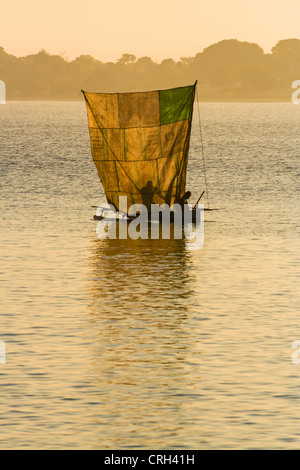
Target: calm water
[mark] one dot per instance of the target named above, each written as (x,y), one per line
(145,344)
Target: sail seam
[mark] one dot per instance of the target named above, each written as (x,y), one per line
(138,127)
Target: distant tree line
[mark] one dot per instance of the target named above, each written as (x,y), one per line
(229,70)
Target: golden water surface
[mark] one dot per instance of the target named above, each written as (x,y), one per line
(120,344)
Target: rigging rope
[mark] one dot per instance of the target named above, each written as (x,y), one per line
(202,149)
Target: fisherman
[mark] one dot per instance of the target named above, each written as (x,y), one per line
(147,193)
(184,199)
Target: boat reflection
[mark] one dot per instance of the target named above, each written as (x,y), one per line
(135,276)
(144,347)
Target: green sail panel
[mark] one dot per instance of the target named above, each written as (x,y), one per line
(176,104)
(140,143)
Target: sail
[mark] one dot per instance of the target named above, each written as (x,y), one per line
(140,143)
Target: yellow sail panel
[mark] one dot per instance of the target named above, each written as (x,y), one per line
(103,110)
(139,109)
(140,143)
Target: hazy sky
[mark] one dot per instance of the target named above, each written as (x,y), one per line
(159,29)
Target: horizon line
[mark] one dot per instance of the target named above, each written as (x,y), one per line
(63,54)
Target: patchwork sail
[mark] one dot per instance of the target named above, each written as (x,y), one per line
(140,143)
